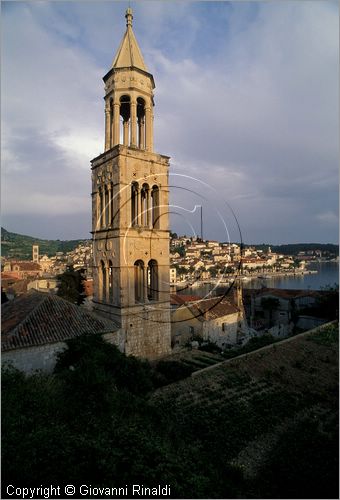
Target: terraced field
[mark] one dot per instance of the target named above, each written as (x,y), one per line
(244,410)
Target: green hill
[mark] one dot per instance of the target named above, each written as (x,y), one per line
(19,246)
(294,248)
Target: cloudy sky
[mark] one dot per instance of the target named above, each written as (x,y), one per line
(246,105)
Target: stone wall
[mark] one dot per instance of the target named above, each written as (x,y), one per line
(147,331)
(222,331)
(30,359)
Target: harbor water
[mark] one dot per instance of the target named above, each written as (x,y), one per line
(327,275)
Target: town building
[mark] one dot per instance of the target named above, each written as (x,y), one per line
(21,269)
(130,225)
(35,326)
(216,320)
(35,253)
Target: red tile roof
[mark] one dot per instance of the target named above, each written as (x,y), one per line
(37,318)
(176,299)
(210,309)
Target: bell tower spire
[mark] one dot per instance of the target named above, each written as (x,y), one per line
(130,210)
(129,17)
(129,96)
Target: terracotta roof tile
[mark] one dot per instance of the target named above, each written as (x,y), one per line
(178,299)
(209,309)
(38,318)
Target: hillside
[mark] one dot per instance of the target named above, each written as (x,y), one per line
(19,246)
(294,248)
(272,414)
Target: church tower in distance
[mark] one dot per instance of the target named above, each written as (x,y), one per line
(130,213)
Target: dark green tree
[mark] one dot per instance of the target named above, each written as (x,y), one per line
(71,285)
(4,297)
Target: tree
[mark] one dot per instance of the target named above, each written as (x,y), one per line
(4,297)
(213,271)
(181,270)
(71,285)
(180,249)
(327,305)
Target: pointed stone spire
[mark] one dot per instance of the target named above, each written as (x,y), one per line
(129,53)
(129,17)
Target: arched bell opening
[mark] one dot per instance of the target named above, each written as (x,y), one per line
(110,281)
(125,113)
(152,280)
(134,203)
(102,281)
(139,280)
(141,122)
(110,123)
(145,205)
(155,207)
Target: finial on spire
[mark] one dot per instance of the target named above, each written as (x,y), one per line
(129,17)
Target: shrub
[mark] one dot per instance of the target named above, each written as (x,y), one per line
(90,362)
(172,371)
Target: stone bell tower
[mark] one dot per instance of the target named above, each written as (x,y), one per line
(130,222)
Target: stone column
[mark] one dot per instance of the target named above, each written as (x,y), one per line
(141,133)
(97,226)
(107,128)
(133,119)
(126,132)
(107,283)
(151,132)
(145,279)
(148,129)
(116,124)
(110,204)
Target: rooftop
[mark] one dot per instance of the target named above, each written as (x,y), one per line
(38,318)
(210,309)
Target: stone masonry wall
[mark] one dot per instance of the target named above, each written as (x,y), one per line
(34,358)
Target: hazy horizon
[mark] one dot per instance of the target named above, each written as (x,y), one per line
(270,243)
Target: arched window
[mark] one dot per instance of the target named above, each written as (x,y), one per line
(152,277)
(155,207)
(111,283)
(125,113)
(139,281)
(106,207)
(141,122)
(145,205)
(102,281)
(101,207)
(134,204)
(111,205)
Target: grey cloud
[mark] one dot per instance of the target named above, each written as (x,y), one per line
(258,115)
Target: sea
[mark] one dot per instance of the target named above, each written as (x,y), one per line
(327,275)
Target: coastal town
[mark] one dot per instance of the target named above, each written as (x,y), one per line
(193,261)
(219,292)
